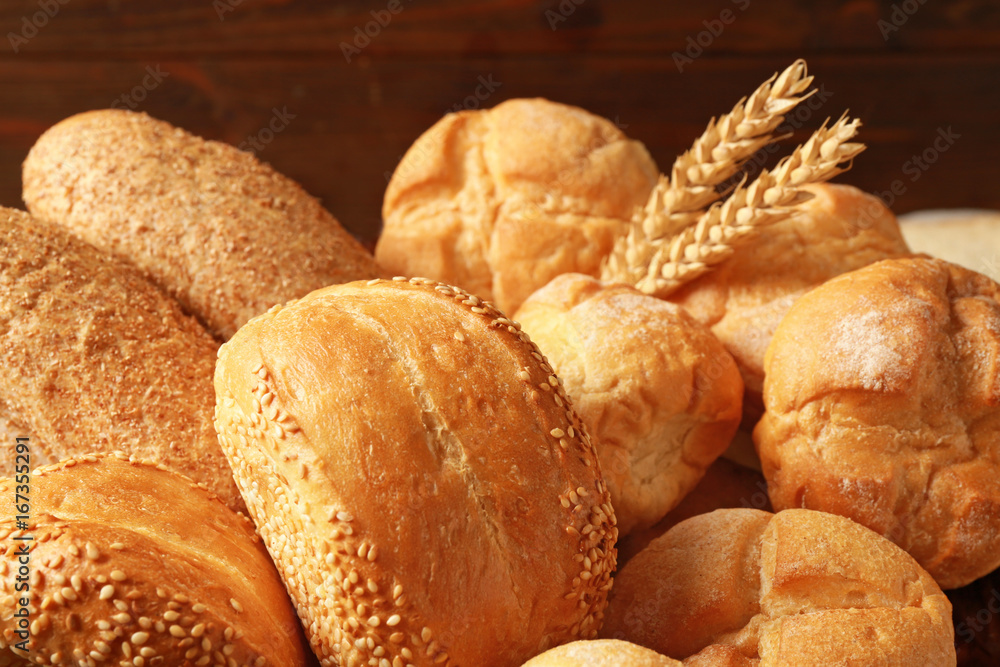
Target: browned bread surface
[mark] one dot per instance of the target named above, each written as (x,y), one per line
(501,201)
(131,561)
(883,405)
(795,588)
(601,653)
(96,358)
(658,392)
(418,475)
(219,230)
(840,229)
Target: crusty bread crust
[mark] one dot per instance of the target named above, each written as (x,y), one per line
(222,232)
(96,358)
(840,229)
(658,392)
(500,201)
(601,653)
(883,405)
(790,589)
(419,476)
(129,560)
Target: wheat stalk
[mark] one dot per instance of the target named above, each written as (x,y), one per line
(773,196)
(696,175)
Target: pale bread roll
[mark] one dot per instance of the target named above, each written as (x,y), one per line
(418,475)
(502,200)
(601,653)
(969,238)
(658,392)
(883,405)
(743,299)
(133,564)
(792,589)
(222,232)
(97,358)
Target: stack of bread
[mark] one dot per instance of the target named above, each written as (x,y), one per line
(513,452)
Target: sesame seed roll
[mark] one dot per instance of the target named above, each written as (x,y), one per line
(419,476)
(132,564)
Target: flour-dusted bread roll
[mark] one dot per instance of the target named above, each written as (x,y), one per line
(601,653)
(883,405)
(658,392)
(500,201)
(743,299)
(419,476)
(222,232)
(132,564)
(97,358)
(794,589)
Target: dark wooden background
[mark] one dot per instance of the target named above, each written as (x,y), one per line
(907,68)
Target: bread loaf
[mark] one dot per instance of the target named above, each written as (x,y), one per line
(219,230)
(500,201)
(419,476)
(789,589)
(601,653)
(131,564)
(883,405)
(97,358)
(840,229)
(658,392)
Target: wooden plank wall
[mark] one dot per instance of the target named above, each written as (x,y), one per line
(912,70)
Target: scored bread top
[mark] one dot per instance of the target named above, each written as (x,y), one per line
(500,201)
(798,587)
(130,560)
(224,233)
(418,475)
(97,358)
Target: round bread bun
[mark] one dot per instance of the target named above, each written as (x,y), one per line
(725,485)
(131,564)
(419,476)
(967,237)
(601,653)
(794,588)
(883,405)
(97,358)
(743,299)
(658,392)
(219,230)
(500,201)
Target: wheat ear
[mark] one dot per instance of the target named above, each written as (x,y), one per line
(773,196)
(696,175)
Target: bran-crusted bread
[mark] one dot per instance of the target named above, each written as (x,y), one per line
(222,232)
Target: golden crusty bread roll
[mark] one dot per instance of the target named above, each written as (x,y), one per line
(601,653)
(883,405)
(743,299)
(500,201)
(96,358)
(133,564)
(419,476)
(794,588)
(658,392)
(219,230)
